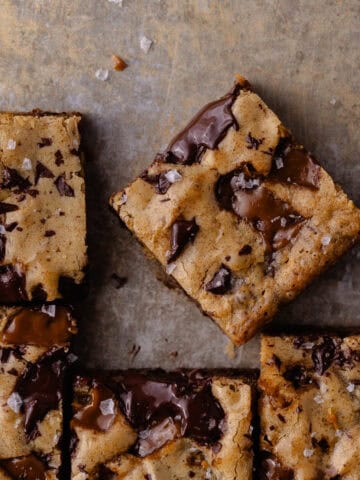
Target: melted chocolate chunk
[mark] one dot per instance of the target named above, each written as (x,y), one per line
(221,281)
(12,179)
(44,327)
(271,468)
(206,130)
(12,285)
(323,355)
(298,376)
(40,388)
(2,247)
(59,159)
(293,164)
(42,172)
(38,293)
(24,468)
(160,182)
(45,142)
(165,406)
(7,207)
(92,416)
(64,188)
(182,232)
(242,192)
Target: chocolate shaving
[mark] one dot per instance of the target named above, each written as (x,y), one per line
(64,188)
(42,172)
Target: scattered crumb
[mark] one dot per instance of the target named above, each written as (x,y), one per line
(230,350)
(102,74)
(145,43)
(333,101)
(118,63)
(134,351)
(119,281)
(174,354)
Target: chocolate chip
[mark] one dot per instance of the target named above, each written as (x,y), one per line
(12,285)
(253,143)
(38,293)
(45,142)
(221,281)
(33,192)
(42,172)
(120,281)
(182,232)
(205,130)
(10,226)
(7,207)
(298,376)
(12,179)
(49,233)
(64,188)
(323,355)
(245,250)
(59,159)
(159,181)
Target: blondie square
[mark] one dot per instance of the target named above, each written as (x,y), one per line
(239,213)
(162,426)
(42,199)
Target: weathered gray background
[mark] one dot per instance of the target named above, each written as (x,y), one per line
(302,56)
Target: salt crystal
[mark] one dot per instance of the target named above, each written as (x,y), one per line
(173,176)
(170,268)
(107,407)
(308,452)
(333,101)
(145,44)
(283,221)
(49,310)
(313,435)
(350,388)
(318,399)
(123,199)
(11,145)
(102,74)
(326,239)
(27,164)
(279,163)
(338,433)
(15,402)
(251,429)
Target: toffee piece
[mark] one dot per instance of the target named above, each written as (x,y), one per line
(309,407)
(147,424)
(42,196)
(34,344)
(239,213)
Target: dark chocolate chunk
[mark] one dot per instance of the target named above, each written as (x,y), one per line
(33,192)
(120,281)
(12,285)
(245,250)
(42,172)
(182,232)
(91,416)
(38,293)
(12,179)
(40,388)
(104,473)
(49,233)
(242,192)
(293,164)
(7,207)
(173,404)
(206,130)
(10,227)
(159,181)
(2,247)
(64,188)
(221,281)
(45,142)
(253,143)
(42,326)
(298,376)
(24,468)
(59,159)
(271,468)
(323,355)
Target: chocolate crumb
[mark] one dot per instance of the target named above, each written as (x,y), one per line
(118,63)
(42,172)
(49,233)
(45,142)
(64,188)
(120,281)
(59,159)
(245,250)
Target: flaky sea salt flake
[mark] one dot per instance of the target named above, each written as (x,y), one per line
(102,74)
(308,452)
(326,239)
(11,145)
(26,164)
(15,402)
(107,407)
(145,43)
(350,388)
(173,176)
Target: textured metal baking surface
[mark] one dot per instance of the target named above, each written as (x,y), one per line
(303,58)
